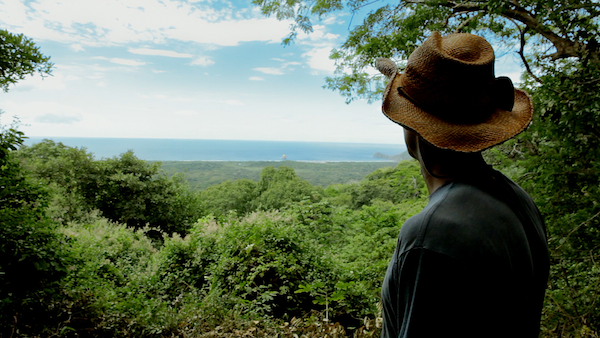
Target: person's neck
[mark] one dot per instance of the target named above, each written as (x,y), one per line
(443,174)
(432,182)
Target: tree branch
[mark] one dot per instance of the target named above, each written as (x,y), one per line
(521,53)
(579,226)
(564,47)
(466,22)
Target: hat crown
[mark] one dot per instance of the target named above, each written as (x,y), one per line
(452,77)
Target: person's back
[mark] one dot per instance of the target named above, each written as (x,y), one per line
(451,287)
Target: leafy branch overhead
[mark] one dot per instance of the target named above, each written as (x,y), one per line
(544,31)
(19,56)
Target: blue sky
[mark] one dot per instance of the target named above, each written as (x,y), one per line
(186,69)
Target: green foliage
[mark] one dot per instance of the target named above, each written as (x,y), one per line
(126,287)
(263,260)
(123,189)
(564,173)
(204,174)
(394,30)
(395,185)
(19,56)
(69,172)
(32,254)
(244,265)
(276,189)
(370,236)
(133,192)
(324,296)
(236,196)
(279,187)
(122,286)
(385,32)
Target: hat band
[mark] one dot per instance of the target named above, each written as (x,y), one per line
(449,113)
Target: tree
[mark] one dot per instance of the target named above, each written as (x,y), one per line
(136,193)
(229,196)
(279,187)
(32,254)
(19,56)
(569,27)
(390,184)
(556,160)
(123,189)
(69,172)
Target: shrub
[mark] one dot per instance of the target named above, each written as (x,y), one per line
(402,183)
(280,187)
(32,255)
(263,259)
(229,196)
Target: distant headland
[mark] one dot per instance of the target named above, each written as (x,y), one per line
(397,158)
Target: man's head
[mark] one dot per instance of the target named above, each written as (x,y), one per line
(449,96)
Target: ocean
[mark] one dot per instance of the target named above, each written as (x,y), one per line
(228,150)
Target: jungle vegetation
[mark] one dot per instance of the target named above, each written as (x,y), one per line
(117,247)
(203,174)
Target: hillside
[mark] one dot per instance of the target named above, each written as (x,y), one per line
(203,174)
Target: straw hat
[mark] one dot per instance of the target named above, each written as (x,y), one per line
(449,95)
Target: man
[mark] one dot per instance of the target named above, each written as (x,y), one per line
(474,262)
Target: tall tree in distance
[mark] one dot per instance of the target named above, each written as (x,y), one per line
(19,56)
(557,160)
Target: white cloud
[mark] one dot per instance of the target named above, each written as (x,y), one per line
(159,52)
(330,20)
(117,22)
(318,59)
(319,35)
(126,62)
(101,84)
(120,61)
(202,61)
(72,78)
(77,47)
(95,76)
(58,81)
(515,77)
(57,118)
(186,112)
(44,111)
(256,78)
(270,71)
(234,102)
(157,71)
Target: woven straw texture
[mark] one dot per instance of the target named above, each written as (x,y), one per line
(447,95)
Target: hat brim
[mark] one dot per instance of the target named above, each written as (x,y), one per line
(499,127)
